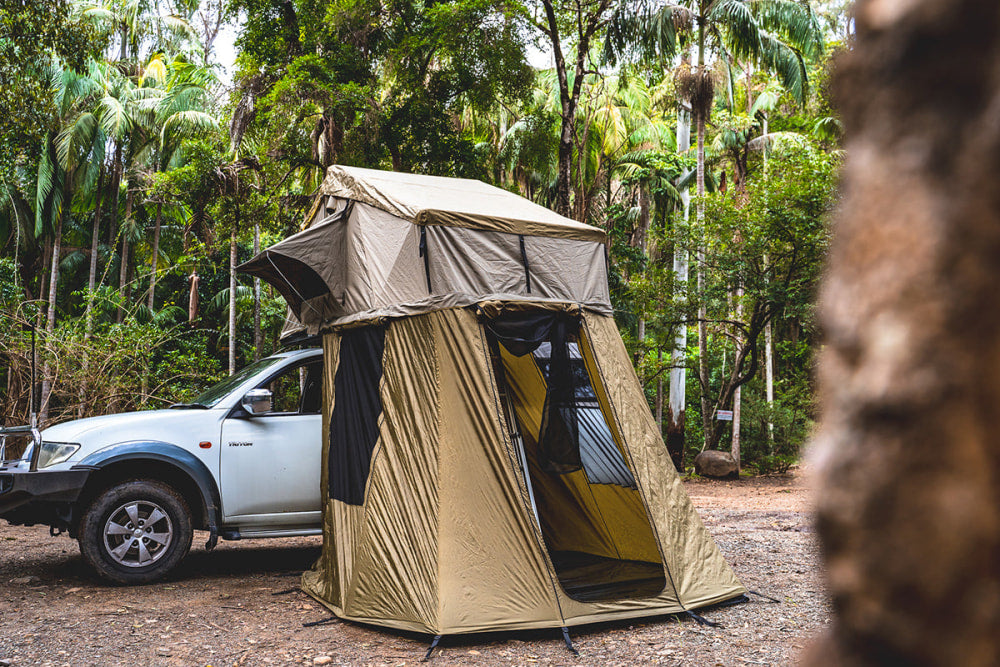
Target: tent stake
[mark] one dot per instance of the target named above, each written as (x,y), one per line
(766,597)
(702,620)
(434,644)
(322,621)
(569,642)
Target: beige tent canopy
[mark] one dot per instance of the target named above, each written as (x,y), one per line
(490,461)
(381,245)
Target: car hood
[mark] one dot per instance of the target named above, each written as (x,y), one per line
(127,426)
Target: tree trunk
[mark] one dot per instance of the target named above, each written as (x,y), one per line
(642,238)
(113,192)
(123,273)
(50,319)
(589,18)
(678,355)
(50,323)
(738,392)
(565,174)
(769,384)
(768,338)
(232,301)
(567,116)
(908,495)
(40,316)
(95,237)
(659,390)
(88,329)
(258,342)
(706,406)
(156,256)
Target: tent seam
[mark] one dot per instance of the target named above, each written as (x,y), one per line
(439,611)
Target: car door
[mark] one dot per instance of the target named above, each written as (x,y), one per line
(270,462)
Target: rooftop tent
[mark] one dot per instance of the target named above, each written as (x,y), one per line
(381,244)
(489,458)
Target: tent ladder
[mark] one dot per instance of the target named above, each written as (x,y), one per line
(569,642)
(434,645)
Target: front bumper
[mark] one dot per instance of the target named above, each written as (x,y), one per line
(32,497)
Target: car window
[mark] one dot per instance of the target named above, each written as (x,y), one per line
(297,390)
(219,391)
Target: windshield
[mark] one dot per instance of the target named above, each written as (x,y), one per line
(217,392)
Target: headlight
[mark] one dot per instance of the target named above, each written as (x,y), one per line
(52,453)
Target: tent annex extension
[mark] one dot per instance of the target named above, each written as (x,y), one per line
(490,462)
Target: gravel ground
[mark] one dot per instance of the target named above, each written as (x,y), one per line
(221,608)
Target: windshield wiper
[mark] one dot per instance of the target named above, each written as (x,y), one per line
(197,406)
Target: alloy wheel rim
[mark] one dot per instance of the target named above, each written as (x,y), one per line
(138,533)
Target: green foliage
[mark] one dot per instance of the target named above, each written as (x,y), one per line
(791,416)
(140,362)
(31,32)
(762,256)
(357,82)
(111,142)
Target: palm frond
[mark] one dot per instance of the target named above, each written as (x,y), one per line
(795,21)
(169,315)
(115,120)
(647,32)
(767,99)
(778,141)
(181,27)
(740,28)
(221,299)
(45,185)
(788,64)
(828,128)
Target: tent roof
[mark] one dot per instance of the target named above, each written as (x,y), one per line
(453,202)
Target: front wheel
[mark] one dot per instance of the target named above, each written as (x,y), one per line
(136,532)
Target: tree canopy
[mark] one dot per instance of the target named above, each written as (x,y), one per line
(137,175)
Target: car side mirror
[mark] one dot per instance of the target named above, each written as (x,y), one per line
(258,401)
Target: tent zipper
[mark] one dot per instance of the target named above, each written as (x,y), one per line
(426,256)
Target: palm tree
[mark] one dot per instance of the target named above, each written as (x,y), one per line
(775,35)
(69,161)
(180,103)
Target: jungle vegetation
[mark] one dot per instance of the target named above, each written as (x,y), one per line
(137,168)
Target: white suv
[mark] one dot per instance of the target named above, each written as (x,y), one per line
(241,460)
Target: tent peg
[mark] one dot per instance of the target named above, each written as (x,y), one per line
(766,597)
(569,642)
(701,619)
(434,644)
(322,621)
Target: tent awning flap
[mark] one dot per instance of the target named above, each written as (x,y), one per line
(306,266)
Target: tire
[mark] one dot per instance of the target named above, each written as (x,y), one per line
(135,532)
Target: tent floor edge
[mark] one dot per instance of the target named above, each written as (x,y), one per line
(434,645)
(569,642)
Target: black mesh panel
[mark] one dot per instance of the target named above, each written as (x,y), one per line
(357,406)
(523,333)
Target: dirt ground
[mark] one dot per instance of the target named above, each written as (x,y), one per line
(230,606)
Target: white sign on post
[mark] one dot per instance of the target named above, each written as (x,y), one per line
(724,415)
